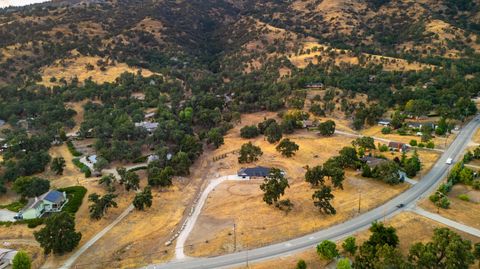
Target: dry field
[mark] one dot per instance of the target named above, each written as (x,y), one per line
(405,223)
(461,211)
(76,67)
(257,223)
(326,53)
(376,131)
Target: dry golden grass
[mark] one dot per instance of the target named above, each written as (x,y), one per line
(405,223)
(476,137)
(257,223)
(461,211)
(152,26)
(76,67)
(326,53)
(376,131)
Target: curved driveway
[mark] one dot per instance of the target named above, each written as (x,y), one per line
(427,184)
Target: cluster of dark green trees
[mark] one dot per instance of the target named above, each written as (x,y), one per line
(445,250)
(458,174)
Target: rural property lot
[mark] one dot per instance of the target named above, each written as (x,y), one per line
(405,223)
(256,223)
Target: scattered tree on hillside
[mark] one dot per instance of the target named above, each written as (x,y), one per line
(476,252)
(58,165)
(347,158)
(215,137)
(249,153)
(107,180)
(143,199)
(334,171)
(412,165)
(287,147)
(158,176)
(446,250)
(327,128)
(262,126)
(315,176)
(249,131)
(350,246)
(58,235)
(274,186)
(322,200)
(129,179)
(379,247)
(301,264)
(327,250)
(344,263)
(364,142)
(388,172)
(100,204)
(273,133)
(31,186)
(21,261)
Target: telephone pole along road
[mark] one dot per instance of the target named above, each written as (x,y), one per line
(424,186)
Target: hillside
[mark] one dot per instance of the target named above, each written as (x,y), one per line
(218,33)
(139,107)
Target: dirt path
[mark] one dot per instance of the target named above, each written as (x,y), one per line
(192,219)
(71,260)
(448,222)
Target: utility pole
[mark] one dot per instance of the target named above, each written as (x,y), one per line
(234,238)
(247,254)
(359,201)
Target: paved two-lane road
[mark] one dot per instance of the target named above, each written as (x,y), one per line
(428,183)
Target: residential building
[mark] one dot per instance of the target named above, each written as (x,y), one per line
(309,124)
(49,202)
(419,125)
(398,146)
(149,126)
(254,172)
(316,85)
(372,161)
(385,123)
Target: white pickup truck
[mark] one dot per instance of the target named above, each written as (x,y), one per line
(449,161)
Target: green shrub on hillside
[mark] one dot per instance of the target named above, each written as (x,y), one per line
(73,150)
(75,196)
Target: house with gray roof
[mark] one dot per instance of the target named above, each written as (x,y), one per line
(255,172)
(49,202)
(149,126)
